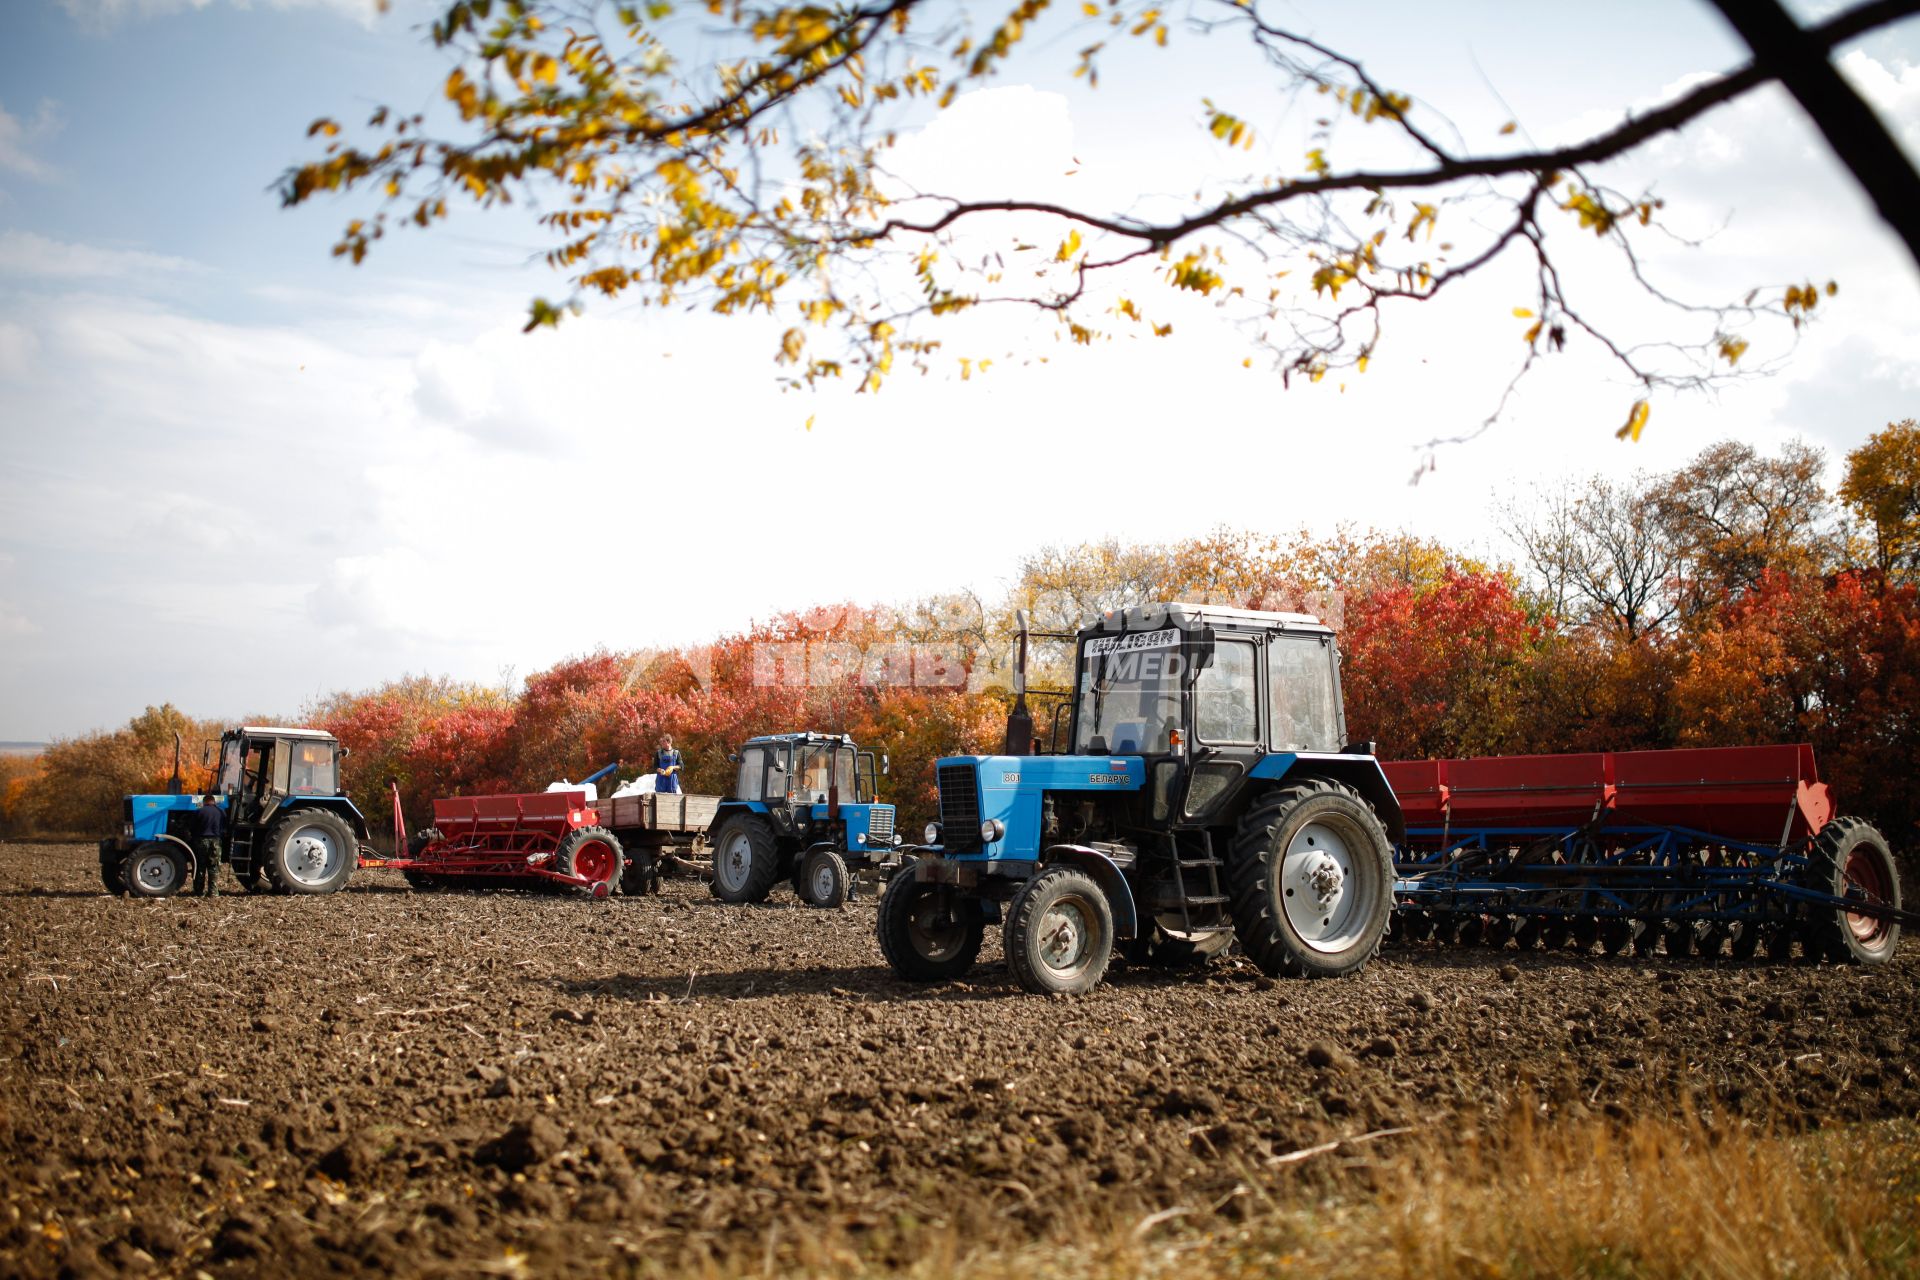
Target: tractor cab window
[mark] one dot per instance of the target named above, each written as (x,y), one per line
(1224,709)
(844,776)
(310,772)
(258,779)
(1129,693)
(753,772)
(231,758)
(1300,685)
(816,773)
(779,779)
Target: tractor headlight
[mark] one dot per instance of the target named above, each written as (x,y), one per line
(859,838)
(126,829)
(992,829)
(932,833)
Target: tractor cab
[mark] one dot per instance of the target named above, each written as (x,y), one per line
(1196,738)
(795,796)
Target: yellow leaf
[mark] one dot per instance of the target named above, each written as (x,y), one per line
(1523,313)
(809,422)
(1091,10)
(1508,128)
(1636,422)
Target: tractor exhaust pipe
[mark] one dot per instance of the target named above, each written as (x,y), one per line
(1019,719)
(176,785)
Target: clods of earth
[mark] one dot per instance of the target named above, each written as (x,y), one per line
(388,1082)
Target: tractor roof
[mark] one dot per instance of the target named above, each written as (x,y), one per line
(803,737)
(281,731)
(1180,614)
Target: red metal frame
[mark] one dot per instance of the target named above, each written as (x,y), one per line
(508,836)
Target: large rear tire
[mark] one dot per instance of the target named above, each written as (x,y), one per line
(310,851)
(1311,876)
(746,860)
(1850,859)
(594,853)
(1059,933)
(156,870)
(928,932)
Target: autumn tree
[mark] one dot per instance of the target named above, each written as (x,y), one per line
(1733,514)
(80,781)
(734,156)
(1834,661)
(1600,553)
(1882,486)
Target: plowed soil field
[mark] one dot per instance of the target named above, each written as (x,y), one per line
(387,1082)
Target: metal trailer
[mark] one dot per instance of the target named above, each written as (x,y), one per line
(655,829)
(1209,794)
(288,827)
(1733,850)
(804,810)
(512,841)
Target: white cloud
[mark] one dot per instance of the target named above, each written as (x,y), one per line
(26,253)
(19,139)
(103,15)
(1894,91)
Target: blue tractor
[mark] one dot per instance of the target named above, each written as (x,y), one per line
(804,810)
(288,826)
(1208,793)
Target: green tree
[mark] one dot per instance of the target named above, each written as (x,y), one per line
(1882,486)
(733,155)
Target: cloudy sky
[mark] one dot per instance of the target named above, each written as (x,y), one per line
(238,474)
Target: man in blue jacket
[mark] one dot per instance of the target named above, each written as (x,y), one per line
(206,868)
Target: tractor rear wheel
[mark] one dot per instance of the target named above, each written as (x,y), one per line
(928,932)
(113,869)
(746,860)
(156,870)
(1850,859)
(827,879)
(594,854)
(310,851)
(642,875)
(1059,933)
(1311,875)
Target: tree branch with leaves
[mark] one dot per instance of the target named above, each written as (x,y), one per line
(735,157)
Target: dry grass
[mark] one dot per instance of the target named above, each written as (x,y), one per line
(1657,1199)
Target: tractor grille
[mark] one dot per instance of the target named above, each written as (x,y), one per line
(880,823)
(959,807)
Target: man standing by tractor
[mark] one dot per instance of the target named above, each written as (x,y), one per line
(206,868)
(666,767)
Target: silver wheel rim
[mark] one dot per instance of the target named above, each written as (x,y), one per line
(735,862)
(153,871)
(1325,889)
(824,881)
(313,856)
(1066,936)
(932,939)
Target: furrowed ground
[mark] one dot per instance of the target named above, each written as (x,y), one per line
(386,1082)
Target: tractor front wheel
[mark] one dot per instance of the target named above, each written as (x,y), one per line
(928,932)
(157,870)
(1311,872)
(310,851)
(1059,933)
(745,860)
(826,878)
(594,854)
(1850,859)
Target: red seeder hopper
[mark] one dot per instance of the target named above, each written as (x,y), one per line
(511,841)
(1703,850)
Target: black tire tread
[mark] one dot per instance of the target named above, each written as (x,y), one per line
(1249,857)
(765,871)
(898,948)
(1019,923)
(1826,932)
(267,849)
(570,845)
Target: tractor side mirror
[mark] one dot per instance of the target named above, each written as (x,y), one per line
(345,751)
(733,757)
(886,765)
